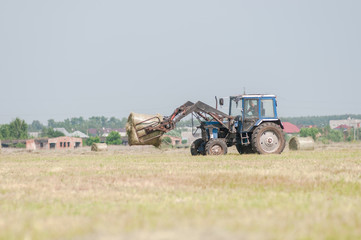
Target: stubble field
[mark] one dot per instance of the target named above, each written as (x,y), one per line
(146,193)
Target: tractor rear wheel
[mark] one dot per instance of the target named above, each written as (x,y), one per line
(268,138)
(197,148)
(216,147)
(244,149)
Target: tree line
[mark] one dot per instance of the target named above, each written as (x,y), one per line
(18,129)
(318,121)
(326,134)
(80,124)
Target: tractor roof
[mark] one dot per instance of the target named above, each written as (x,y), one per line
(254,96)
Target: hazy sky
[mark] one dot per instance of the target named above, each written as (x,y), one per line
(61,59)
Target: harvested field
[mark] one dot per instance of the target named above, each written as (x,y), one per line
(146,193)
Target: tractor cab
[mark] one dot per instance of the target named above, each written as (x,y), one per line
(252,110)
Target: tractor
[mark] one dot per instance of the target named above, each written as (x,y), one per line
(252,125)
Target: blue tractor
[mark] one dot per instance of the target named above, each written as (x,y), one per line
(252,125)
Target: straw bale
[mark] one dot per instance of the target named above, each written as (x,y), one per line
(138,136)
(97,147)
(302,143)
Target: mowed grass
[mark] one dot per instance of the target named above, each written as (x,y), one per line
(132,193)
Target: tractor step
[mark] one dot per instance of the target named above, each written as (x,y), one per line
(245,138)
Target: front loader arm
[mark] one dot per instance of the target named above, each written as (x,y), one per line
(200,109)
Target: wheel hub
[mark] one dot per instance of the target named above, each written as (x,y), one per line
(216,150)
(269,141)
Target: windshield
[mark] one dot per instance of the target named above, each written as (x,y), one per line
(235,107)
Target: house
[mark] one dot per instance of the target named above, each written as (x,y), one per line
(62,130)
(188,135)
(12,143)
(342,127)
(79,134)
(74,134)
(290,128)
(105,131)
(34,134)
(174,140)
(93,132)
(54,143)
(345,124)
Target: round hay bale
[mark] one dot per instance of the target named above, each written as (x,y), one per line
(136,133)
(98,147)
(302,143)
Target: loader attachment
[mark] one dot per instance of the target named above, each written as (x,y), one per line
(136,129)
(145,129)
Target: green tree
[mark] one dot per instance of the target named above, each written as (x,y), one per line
(123,122)
(51,123)
(35,126)
(20,145)
(4,132)
(113,123)
(113,138)
(177,132)
(309,132)
(49,132)
(92,140)
(167,140)
(335,135)
(18,129)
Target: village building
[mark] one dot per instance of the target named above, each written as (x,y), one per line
(54,143)
(104,132)
(174,140)
(290,128)
(188,135)
(34,134)
(74,134)
(345,124)
(12,143)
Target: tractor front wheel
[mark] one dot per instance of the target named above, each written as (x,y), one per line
(216,147)
(268,138)
(197,147)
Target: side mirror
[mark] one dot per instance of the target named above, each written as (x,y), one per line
(221,101)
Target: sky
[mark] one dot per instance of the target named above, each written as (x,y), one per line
(72,58)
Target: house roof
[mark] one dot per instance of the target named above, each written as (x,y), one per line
(109,130)
(342,126)
(290,128)
(94,131)
(74,134)
(79,134)
(62,130)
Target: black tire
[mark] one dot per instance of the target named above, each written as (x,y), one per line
(196,148)
(216,147)
(244,149)
(268,138)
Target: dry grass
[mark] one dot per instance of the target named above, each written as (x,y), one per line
(145,193)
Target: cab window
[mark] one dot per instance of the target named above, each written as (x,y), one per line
(251,106)
(236,107)
(267,108)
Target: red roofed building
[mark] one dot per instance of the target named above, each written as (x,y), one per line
(290,128)
(343,126)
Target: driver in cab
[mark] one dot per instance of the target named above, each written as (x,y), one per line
(253,108)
